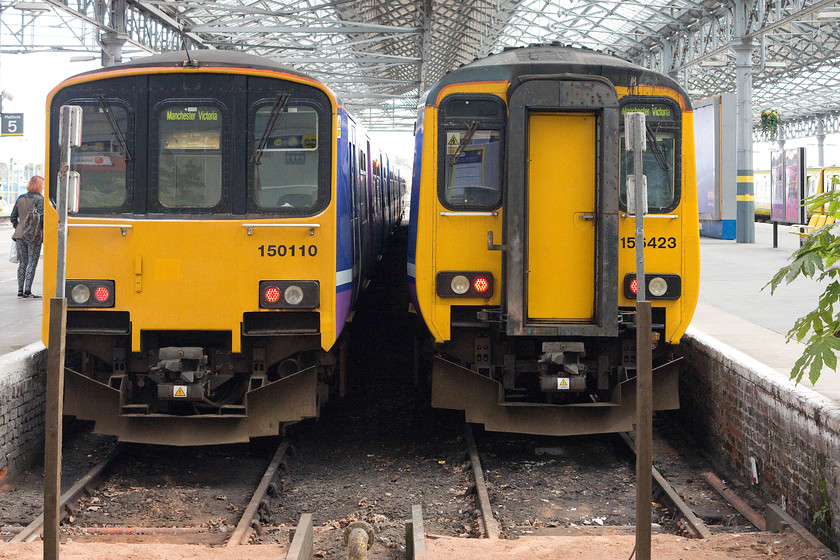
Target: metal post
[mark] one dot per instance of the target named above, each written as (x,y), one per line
(635,126)
(820,143)
(53,435)
(69,136)
(745,190)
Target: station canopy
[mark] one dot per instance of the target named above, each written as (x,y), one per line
(379,56)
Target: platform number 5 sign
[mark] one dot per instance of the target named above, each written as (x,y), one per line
(11,124)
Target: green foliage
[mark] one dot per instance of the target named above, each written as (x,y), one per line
(817,258)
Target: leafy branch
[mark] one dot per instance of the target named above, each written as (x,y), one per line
(817,259)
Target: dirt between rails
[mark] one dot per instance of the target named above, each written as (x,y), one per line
(539,484)
(373,466)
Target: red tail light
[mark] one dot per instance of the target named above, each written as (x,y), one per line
(634,286)
(102,293)
(272,294)
(481,284)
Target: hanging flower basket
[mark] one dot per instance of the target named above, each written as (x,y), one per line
(770,123)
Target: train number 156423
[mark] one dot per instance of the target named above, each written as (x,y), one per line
(288,250)
(652,243)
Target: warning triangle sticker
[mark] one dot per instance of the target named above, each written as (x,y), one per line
(179,392)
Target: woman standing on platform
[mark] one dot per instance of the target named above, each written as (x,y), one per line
(28,220)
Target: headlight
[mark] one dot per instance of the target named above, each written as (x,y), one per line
(293,295)
(657,286)
(460,284)
(80,294)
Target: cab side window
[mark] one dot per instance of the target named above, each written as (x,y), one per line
(103,159)
(471,154)
(285,156)
(661,160)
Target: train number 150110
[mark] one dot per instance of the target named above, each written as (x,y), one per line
(288,250)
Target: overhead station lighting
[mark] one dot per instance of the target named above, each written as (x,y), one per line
(828,14)
(713,63)
(32,6)
(775,64)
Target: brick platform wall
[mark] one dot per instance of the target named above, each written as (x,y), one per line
(22,407)
(739,408)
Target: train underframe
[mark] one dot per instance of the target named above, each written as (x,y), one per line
(189,388)
(549,385)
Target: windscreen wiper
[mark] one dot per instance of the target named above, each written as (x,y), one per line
(273,121)
(657,151)
(115,127)
(465,139)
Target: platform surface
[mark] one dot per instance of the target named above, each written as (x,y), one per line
(733,306)
(20,319)
(737,309)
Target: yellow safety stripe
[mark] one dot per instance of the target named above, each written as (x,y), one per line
(745,198)
(745,178)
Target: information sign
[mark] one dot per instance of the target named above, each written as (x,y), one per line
(11,124)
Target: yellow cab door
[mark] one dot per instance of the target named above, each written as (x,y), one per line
(561,207)
(561,216)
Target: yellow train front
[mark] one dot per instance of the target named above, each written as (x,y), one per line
(521,257)
(217,249)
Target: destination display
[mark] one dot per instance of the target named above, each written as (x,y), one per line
(191,128)
(652,112)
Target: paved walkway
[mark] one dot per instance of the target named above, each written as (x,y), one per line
(20,319)
(735,309)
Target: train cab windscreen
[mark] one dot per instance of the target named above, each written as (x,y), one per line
(661,159)
(102,157)
(190,156)
(285,156)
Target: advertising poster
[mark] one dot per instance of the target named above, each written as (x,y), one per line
(777,186)
(705,148)
(794,168)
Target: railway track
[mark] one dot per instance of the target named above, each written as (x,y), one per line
(89,496)
(582,497)
(33,530)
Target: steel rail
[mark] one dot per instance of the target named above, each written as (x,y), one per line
(489,525)
(693,523)
(31,531)
(241,533)
(735,501)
